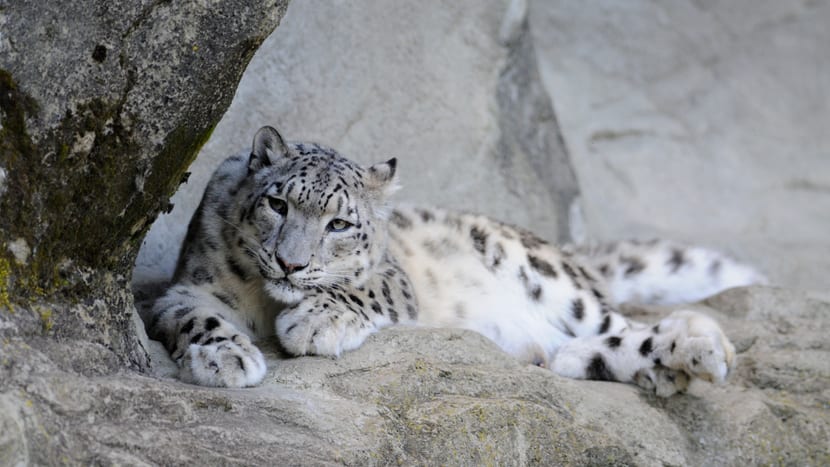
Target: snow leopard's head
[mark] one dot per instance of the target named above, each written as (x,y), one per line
(312,218)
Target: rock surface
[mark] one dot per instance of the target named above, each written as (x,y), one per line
(430,397)
(449,88)
(698,120)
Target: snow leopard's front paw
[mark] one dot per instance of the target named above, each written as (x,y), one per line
(210,351)
(311,330)
(224,362)
(697,345)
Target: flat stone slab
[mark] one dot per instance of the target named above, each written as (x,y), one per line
(427,396)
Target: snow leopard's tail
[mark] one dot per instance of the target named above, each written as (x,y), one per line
(665,273)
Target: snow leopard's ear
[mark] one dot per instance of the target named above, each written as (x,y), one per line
(381,177)
(268,147)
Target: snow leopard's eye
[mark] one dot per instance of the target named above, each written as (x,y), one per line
(278,205)
(339,225)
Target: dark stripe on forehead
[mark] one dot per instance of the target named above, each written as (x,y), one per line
(337,206)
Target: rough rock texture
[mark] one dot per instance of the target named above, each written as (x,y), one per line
(449,88)
(698,120)
(435,397)
(103,105)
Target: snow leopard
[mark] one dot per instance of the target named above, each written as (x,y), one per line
(294,240)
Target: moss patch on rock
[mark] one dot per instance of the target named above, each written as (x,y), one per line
(77,193)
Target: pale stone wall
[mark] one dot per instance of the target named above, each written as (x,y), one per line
(698,120)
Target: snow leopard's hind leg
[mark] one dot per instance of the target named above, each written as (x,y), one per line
(209,349)
(662,358)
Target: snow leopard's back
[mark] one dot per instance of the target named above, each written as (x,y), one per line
(472,272)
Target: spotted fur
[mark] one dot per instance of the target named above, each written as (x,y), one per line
(297,241)
(663,272)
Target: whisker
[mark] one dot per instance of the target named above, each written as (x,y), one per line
(328,279)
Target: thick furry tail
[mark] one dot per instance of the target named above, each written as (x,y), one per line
(665,273)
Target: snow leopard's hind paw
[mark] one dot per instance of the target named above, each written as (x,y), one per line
(661,358)
(696,345)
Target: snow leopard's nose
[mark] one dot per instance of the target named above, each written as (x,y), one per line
(288,268)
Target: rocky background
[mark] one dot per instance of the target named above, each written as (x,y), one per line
(699,120)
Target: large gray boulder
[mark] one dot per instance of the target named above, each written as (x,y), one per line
(103,105)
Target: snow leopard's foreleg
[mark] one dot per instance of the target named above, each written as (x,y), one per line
(332,320)
(209,349)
